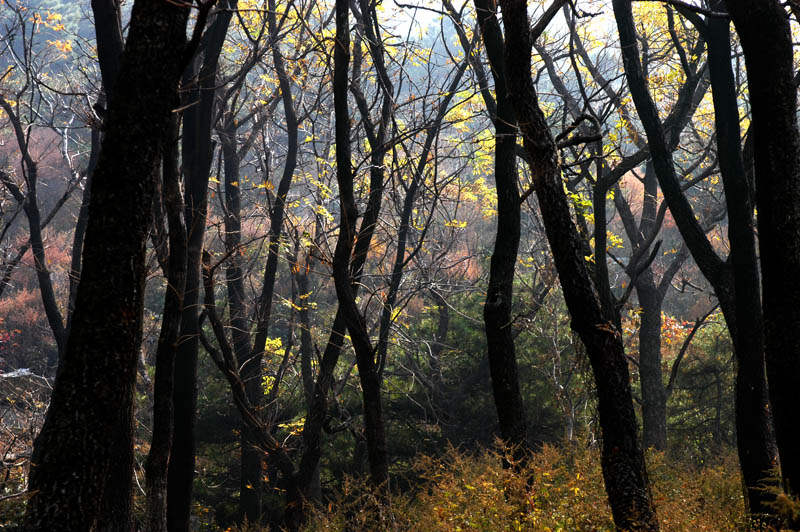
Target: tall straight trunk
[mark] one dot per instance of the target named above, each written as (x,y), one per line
(197,154)
(88,431)
(623,464)
(654,396)
(764,31)
(500,292)
(157,462)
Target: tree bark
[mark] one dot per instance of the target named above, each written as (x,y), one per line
(365,354)
(197,154)
(500,291)
(156,466)
(756,451)
(754,430)
(763,29)
(622,457)
(88,431)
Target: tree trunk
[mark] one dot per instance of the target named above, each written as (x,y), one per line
(654,396)
(754,430)
(500,292)
(763,29)
(88,431)
(755,448)
(622,457)
(197,154)
(367,369)
(156,466)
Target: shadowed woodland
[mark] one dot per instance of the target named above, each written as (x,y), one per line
(374,265)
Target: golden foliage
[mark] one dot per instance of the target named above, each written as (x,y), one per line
(473,492)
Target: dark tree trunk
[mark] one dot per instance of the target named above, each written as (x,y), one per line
(156,466)
(365,354)
(197,154)
(622,457)
(754,430)
(88,432)
(110,43)
(763,29)
(500,292)
(756,450)
(654,396)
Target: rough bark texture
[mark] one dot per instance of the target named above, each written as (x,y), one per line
(622,457)
(763,29)
(88,431)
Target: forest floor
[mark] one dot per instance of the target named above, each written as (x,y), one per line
(473,492)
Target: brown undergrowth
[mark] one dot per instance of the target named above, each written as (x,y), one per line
(473,492)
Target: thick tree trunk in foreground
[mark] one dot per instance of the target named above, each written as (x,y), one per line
(763,29)
(88,432)
(622,457)
(754,431)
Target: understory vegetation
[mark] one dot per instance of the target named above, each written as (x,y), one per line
(560,489)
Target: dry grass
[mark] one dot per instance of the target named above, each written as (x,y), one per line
(474,493)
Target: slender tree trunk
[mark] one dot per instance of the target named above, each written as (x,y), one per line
(157,463)
(622,457)
(197,154)
(367,369)
(88,432)
(500,292)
